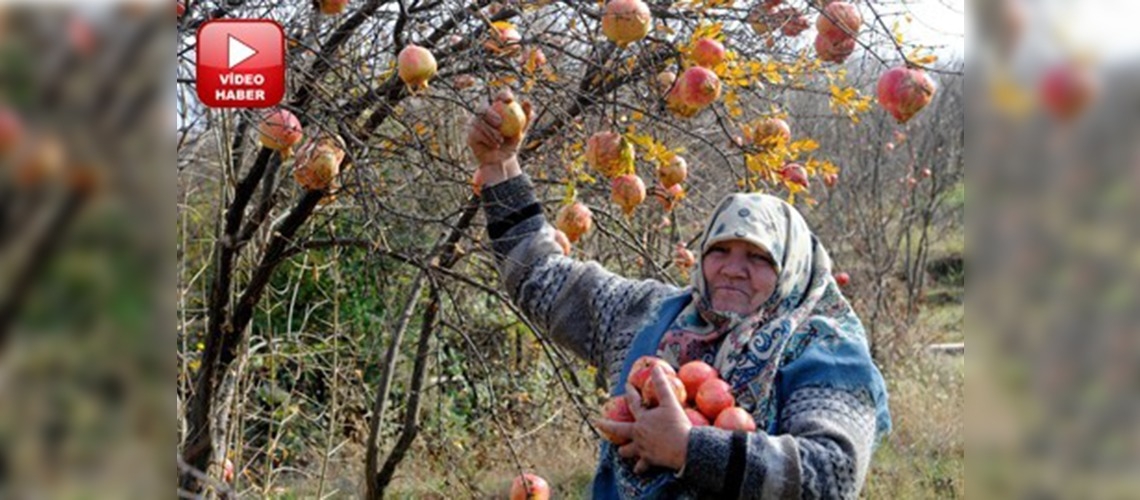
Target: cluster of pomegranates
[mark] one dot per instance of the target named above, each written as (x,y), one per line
(706,398)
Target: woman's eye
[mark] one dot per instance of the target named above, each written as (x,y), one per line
(717,250)
(759,257)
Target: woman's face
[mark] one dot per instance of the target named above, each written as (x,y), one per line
(740,276)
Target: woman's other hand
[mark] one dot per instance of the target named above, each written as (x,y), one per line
(497,155)
(660,435)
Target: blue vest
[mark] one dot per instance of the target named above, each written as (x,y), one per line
(644,344)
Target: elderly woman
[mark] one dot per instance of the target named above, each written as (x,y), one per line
(763,310)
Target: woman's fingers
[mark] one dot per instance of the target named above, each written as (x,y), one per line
(641,467)
(668,399)
(628,450)
(633,397)
(622,431)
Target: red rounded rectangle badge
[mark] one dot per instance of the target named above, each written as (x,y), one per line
(241,63)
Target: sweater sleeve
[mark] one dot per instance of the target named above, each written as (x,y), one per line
(823,451)
(585,308)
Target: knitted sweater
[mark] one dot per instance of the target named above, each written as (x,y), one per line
(825,437)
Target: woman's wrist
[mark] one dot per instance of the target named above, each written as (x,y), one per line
(494,173)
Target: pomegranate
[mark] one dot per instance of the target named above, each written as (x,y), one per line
(763,19)
(43,161)
(514,118)
(1067,89)
(333,7)
(795,173)
(669,197)
(664,82)
(713,397)
(839,21)
(626,21)
(842,279)
(830,179)
(280,130)
(610,154)
(529,487)
(641,369)
(575,220)
(11,130)
(82,35)
(735,419)
(771,132)
(532,59)
(477,182)
(905,91)
(504,41)
(684,260)
(708,53)
(650,398)
(792,23)
(697,88)
(829,50)
(318,163)
(696,418)
(628,191)
(695,373)
(416,65)
(617,409)
(562,240)
(464,82)
(674,172)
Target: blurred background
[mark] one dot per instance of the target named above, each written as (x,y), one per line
(86,193)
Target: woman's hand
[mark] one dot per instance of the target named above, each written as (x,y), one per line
(660,435)
(497,155)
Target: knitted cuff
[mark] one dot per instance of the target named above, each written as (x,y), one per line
(706,458)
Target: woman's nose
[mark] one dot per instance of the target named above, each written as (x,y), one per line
(734,267)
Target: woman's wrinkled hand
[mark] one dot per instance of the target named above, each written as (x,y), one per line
(497,155)
(659,436)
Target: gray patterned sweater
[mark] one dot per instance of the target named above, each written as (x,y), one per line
(825,440)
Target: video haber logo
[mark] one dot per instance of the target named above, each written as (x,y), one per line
(241,63)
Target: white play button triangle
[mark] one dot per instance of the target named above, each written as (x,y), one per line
(239,52)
